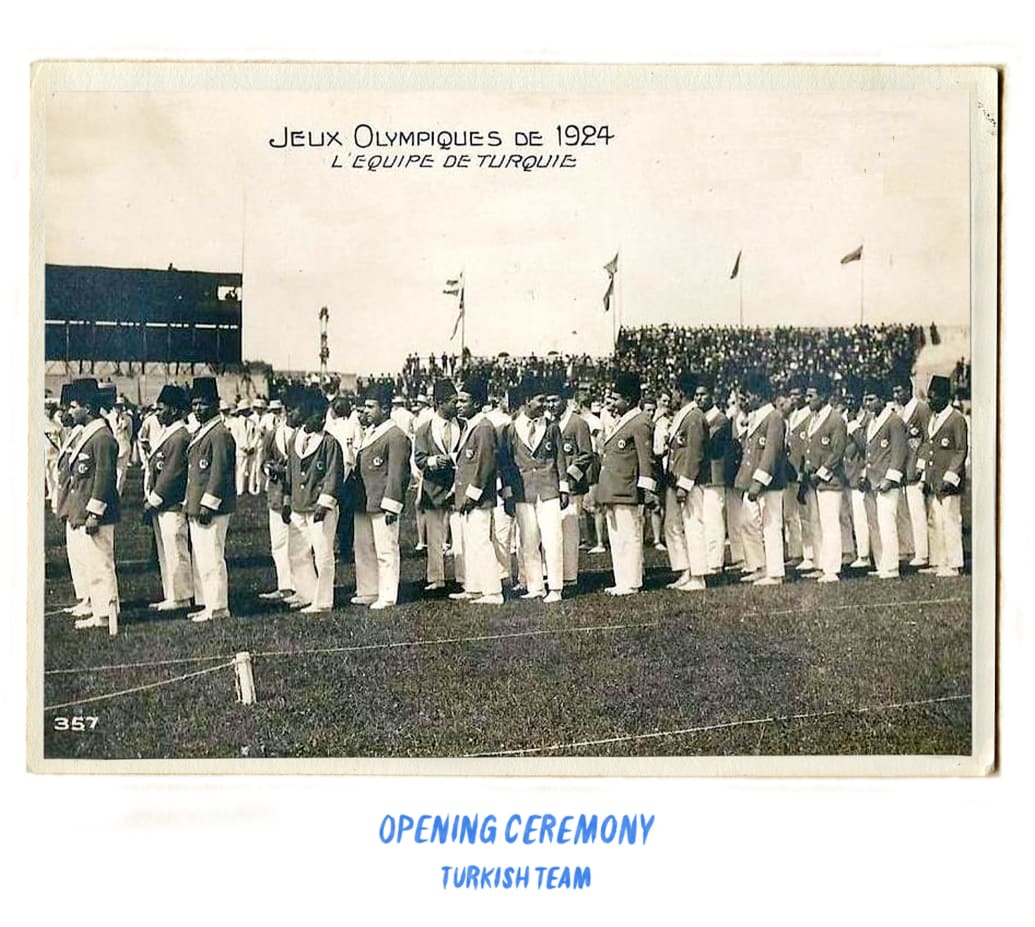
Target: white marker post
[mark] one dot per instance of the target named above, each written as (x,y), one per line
(245,679)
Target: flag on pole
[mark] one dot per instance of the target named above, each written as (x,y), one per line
(855,255)
(612,268)
(456,288)
(736,266)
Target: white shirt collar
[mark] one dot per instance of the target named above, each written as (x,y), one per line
(568,412)
(89,429)
(875,424)
(908,409)
(819,418)
(759,416)
(530,431)
(438,432)
(167,432)
(624,420)
(206,428)
(712,414)
(373,434)
(938,420)
(677,419)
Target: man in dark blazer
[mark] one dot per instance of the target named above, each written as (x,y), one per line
(718,472)
(881,480)
(210,500)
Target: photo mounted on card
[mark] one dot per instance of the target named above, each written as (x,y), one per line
(513,419)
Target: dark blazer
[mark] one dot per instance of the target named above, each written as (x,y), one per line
(885,448)
(167,468)
(313,477)
(764,459)
(825,443)
(210,470)
(383,470)
(916,434)
(531,473)
(943,456)
(274,464)
(687,449)
(91,480)
(577,446)
(626,466)
(476,465)
(435,463)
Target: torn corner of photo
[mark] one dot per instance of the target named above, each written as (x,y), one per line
(543,422)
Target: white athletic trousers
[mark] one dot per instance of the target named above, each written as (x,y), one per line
(279,548)
(173,555)
(80,581)
(684,532)
(255,472)
(916,518)
(860,523)
(456,534)
(882,517)
(762,532)
(793,521)
(121,466)
(435,532)
(625,534)
(481,566)
(715,526)
(539,522)
(571,518)
(824,514)
(208,542)
(96,556)
(847,535)
(945,528)
(241,472)
(502,539)
(311,555)
(422,526)
(377,556)
(734,520)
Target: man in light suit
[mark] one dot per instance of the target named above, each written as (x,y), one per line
(210,499)
(822,478)
(942,463)
(163,506)
(762,479)
(276,442)
(475,496)
(627,484)
(881,479)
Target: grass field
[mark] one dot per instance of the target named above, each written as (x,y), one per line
(861,667)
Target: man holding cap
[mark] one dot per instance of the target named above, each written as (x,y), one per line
(163,506)
(626,483)
(942,462)
(92,504)
(210,500)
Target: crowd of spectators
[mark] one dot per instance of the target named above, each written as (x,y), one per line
(659,353)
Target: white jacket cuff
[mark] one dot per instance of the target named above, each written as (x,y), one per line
(473,493)
(508,492)
(646,483)
(154,500)
(575,472)
(684,483)
(564,487)
(824,474)
(390,505)
(760,476)
(951,477)
(921,464)
(894,475)
(210,501)
(326,501)
(97,507)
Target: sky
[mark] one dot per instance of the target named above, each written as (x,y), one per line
(793,180)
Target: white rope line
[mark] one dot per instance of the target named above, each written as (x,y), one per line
(807,716)
(123,666)
(452,640)
(819,606)
(150,685)
(58,611)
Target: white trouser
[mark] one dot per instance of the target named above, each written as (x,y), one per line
(173,555)
(882,517)
(715,526)
(539,523)
(377,557)
(860,523)
(279,548)
(121,466)
(792,521)
(255,473)
(80,580)
(242,471)
(915,507)
(96,556)
(571,518)
(456,534)
(625,535)
(311,554)
(422,527)
(945,528)
(481,566)
(684,532)
(656,526)
(734,519)
(435,532)
(208,542)
(847,536)
(762,532)
(824,514)
(502,539)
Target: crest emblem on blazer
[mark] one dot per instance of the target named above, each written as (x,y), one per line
(825,440)
(203,463)
(83,468)
(883,442)
(568,447)
(680,440)
(549,445)
(913,430)
(945,442)
(159,464)
(319,466)
(803,436)
(377,461)
(469,453)
(621,444)
(761,440)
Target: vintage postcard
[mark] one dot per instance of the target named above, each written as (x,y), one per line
(513,420)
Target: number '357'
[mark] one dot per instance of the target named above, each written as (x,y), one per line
(75,722)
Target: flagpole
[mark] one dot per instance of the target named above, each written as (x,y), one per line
(862,275)
(740,275)
(463,317)
(618,295)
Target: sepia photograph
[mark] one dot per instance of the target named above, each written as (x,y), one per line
(513,419)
